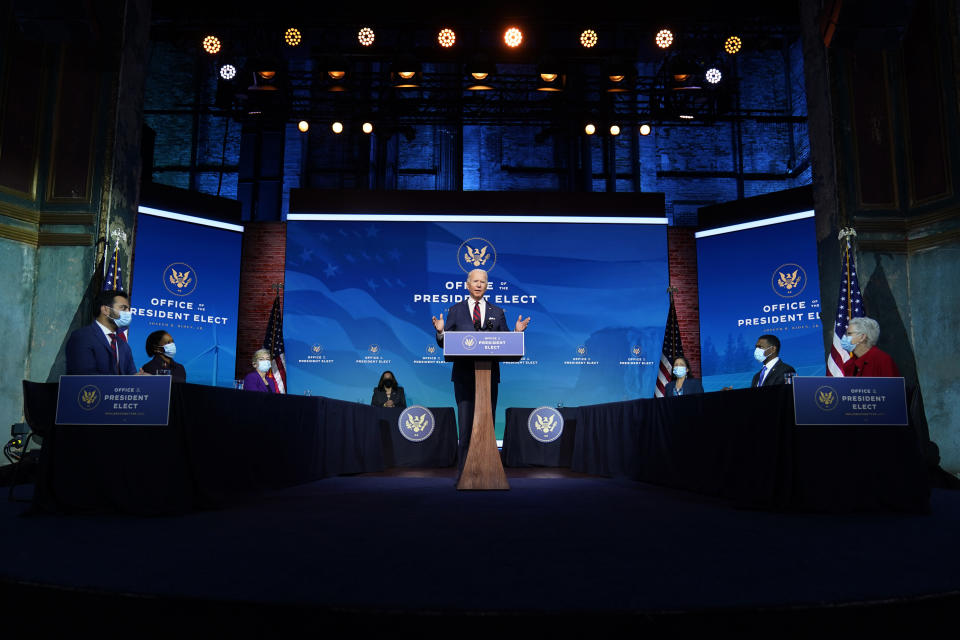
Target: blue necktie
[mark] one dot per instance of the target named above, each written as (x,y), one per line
(763,375)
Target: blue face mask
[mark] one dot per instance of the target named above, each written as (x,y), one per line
(846,342)
(758,353)
(679,371)
(263,366)
(170,350)
(124,319)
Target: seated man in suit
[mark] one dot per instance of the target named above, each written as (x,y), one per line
(472,314)
(774,369)
(101,348)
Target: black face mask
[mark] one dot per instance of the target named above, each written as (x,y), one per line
(388,383)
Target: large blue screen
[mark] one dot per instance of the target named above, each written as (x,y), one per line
(186,282)
(359,296)
(754,281)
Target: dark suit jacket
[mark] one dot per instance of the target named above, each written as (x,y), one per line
(380,397)
(777,375)
(690,386)
(459,319)
(89,353)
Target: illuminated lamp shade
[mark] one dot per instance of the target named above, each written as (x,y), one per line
(337,75)
(616,78)
(590,129)
(713,75)
(228,72)
(614,130)
(292,37)
(588,38)
(367,128)
(733,45)
(337,127)
(406,75)
(211,44)
(645,129)
(478,70)
(513,37)
(267,74)
(365,36)
(479,75)
(446,38)
(303,126)
(664,38)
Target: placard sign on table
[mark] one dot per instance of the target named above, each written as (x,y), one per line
(113,400)
(824,400)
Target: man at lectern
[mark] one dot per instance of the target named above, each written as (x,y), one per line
(101,348)
(473,314)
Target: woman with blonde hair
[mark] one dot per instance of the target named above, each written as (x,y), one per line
(261,378)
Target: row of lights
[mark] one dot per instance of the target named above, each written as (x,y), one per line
(367,127)
(447,37)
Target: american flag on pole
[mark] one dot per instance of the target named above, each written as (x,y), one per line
(672,349)
(273,342)
(849,306)
(113,281)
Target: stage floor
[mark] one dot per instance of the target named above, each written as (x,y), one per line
(405,542)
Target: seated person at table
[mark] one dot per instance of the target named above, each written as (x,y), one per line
(261,378)
(160,345)
(101,348)
(683,383)
(867,360)
(774,369)
(387,393)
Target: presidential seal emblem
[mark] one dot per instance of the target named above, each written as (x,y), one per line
(431,349)
(317,348)
(476,253)
(180,279)
(374,348)
(826,398)
(788,280)
(469,342)
(545,424)
(636,350)
(581,350)
(416,423)
(89,397)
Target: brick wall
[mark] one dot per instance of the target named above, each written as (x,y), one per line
(261,266)
(682,256)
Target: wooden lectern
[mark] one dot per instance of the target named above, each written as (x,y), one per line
(483,468)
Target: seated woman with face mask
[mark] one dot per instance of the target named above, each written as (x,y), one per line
(261,378)
(387,393)
(161,347)
(682,383)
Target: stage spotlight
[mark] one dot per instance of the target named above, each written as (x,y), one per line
(367,128)
(664,38)
(211,44)
(228,72)
(479,68)
(590,129)
(645,129)
(304,126)
(446,38)
(337,127)
(614,130)
(686,116)
(292,37)
(732,45)
(365,36)
(513,37)
(588,38)
(713,75)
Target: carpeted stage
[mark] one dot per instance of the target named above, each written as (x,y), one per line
(403,550)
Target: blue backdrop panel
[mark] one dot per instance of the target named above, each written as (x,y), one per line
(186,281)
(359,297)
(761,280)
